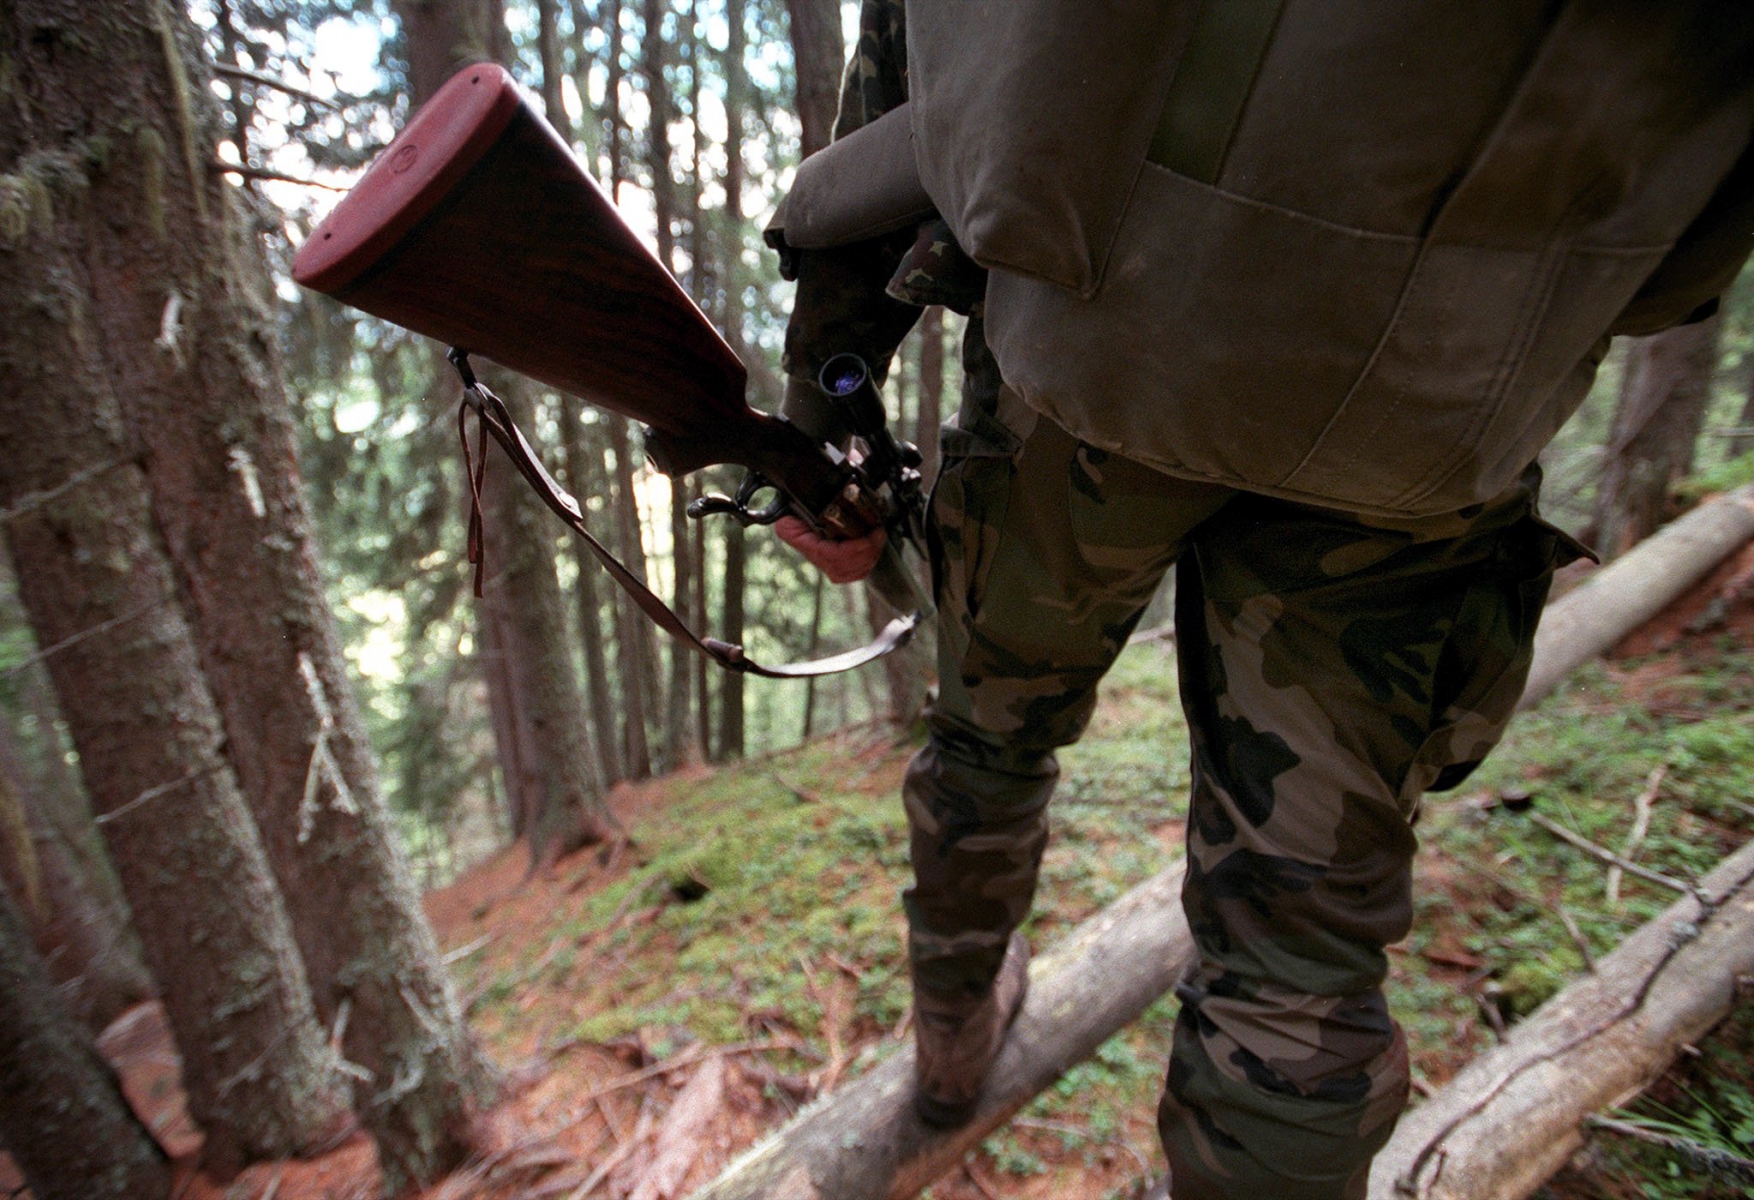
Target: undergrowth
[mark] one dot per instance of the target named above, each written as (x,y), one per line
(763,907)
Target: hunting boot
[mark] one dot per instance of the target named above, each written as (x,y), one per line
(957,1036)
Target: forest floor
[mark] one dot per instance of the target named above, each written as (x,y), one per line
(657,1008)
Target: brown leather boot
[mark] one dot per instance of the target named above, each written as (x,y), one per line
(957,1037)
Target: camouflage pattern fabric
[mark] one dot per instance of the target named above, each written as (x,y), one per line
(1333,670)
(876,76)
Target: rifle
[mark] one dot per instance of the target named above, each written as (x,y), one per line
(477,227)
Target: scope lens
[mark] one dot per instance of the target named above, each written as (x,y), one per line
(843,374)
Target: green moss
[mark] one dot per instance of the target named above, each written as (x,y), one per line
(183,98)
(149,145)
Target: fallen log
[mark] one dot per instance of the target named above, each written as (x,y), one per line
(863,1141)
(1514,1115)
(1586,623)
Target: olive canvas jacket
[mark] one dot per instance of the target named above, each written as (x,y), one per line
(1363,253)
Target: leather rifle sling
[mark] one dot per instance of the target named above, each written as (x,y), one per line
(494,419)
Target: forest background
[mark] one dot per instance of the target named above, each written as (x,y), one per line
(248,707)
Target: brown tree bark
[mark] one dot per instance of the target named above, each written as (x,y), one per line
(584,474)
(548,50)
(732,695)
(1656,424)
(185,333)
(523,599)
(614,132)
(819,54)
(443,36)
(65,1120)
(589,132)
(115,151)
(86,936)
(517,768)
(100,589)
(636,656)
(82,934)
(677,722)
(681,730)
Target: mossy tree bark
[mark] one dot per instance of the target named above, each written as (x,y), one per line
(81,931)
(99,588)
(176,292)
(65,1120)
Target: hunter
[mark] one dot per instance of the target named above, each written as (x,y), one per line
(1286,295)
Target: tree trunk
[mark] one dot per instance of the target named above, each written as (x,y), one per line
(443,36)
(680,741)
(1662,406)
(819,54)
(588,133)
(864,1142)
(731,690)
(88,941)
(614,124)
(636,654)
(1512,1116)
(65,1120)
(1587,622)
(678,722)
(90,951)
(523,596)
(202,395)
(563,809)
(1742,440)
(548,50)
(517,770)
(100,590)
(584,474)
(818,586)
(104,261)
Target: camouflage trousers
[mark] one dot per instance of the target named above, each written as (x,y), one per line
(1333,668)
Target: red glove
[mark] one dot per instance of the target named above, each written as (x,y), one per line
(843,562)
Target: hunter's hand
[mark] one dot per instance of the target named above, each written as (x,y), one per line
(842,561)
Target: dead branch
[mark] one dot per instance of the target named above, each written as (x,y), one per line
(279,85)
(1642,804)
(1514,1115)
(1603,854)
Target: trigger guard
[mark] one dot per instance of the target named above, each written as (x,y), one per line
(778,507)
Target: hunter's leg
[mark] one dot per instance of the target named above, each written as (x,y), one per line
(1047,552)
(1332,671)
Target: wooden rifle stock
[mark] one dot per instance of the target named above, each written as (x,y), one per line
(477,226)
